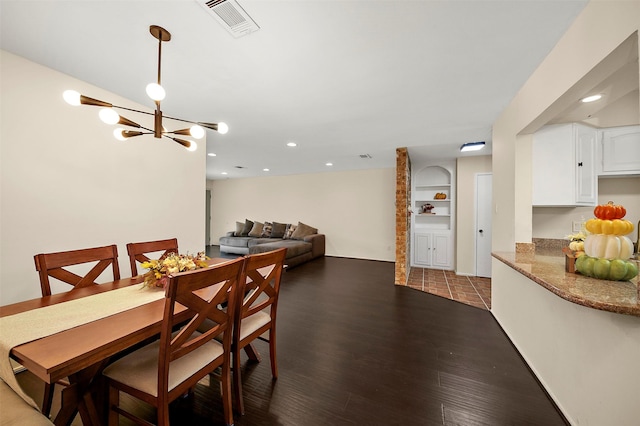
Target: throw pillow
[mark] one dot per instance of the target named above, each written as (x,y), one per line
(247,227)
(239,228)
(290,228)
(266,230)
(256,231)
(278,230)
(302,231)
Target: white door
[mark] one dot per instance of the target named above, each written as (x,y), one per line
(483,224)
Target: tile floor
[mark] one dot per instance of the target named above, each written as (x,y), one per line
(474,291)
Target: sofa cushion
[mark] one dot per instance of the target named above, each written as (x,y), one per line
(235,241)
(294,247)
(302,231)
(256,231)
(248,225)
(266,230)
(289,231)
(239,228)
(278,230)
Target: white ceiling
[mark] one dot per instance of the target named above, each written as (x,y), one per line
(340,78)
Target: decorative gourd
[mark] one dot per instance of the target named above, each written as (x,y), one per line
(608,246)
(609,211)
(614,270)
(609,226)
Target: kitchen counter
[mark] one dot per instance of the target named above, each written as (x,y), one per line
(547,268)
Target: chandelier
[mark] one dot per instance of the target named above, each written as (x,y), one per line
(157,93)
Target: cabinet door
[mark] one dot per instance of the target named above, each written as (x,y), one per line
(621,151)
(586,192)
(440,250)
(423,249)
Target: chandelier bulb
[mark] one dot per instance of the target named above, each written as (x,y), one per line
(156,92)
(109,116)
(71,97)
(117,133)
(192,147)
(196,131)
(223,128)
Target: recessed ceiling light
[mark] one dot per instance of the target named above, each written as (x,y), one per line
(329,164)
(211,154)
(265,170)
(472,146)
(292,144)
(592,98)
(223,173)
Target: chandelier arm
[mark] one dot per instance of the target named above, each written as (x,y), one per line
(131,109)
(182,142)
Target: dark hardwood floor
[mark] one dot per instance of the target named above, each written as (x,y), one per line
(353,349)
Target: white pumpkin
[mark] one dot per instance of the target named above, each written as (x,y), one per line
(608,246)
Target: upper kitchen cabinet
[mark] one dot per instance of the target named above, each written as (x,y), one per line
(619,151)
(564,166)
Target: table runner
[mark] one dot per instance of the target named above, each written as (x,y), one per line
(31,325)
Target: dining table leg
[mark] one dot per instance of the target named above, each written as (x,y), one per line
(252,353)
(77,397)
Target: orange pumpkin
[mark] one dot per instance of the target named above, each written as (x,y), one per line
(609,211)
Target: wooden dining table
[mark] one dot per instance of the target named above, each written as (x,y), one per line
(80,353)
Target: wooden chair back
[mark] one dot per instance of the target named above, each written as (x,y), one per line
(202,292)
(54,264)
(256,311)
(138,251)
(263,272)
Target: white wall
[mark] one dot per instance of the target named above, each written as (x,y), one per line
(556,222)
(596,378)
(68,184)
(467,169)
(355,210)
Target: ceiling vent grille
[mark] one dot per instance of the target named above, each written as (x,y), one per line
(365,156)
(231,16)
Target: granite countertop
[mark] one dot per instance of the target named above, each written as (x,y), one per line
(547,268)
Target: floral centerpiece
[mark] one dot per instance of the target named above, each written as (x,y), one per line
(172,263)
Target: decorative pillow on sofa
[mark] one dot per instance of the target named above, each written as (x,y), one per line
(256,231)
(302,231)
(266,230)
(247,227)
(239,228)
(290,228)
(277,230)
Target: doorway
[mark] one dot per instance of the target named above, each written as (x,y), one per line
(207,218)
(483,224)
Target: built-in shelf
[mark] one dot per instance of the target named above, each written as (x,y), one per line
(432,233)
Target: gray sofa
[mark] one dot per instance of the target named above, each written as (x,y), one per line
(303,243)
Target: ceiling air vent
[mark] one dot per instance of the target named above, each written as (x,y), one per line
(231,15)
(365,156)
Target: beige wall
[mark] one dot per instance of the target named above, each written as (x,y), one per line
(467,169)
(355,209)
(556,222)
(592,377)
(66,183)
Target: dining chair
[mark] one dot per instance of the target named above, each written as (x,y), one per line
(171,367)
(138,251)
(54,264)
(255,315)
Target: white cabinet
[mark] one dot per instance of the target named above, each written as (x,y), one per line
(564,166)
(433,228)
(619,151)
(433,250)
